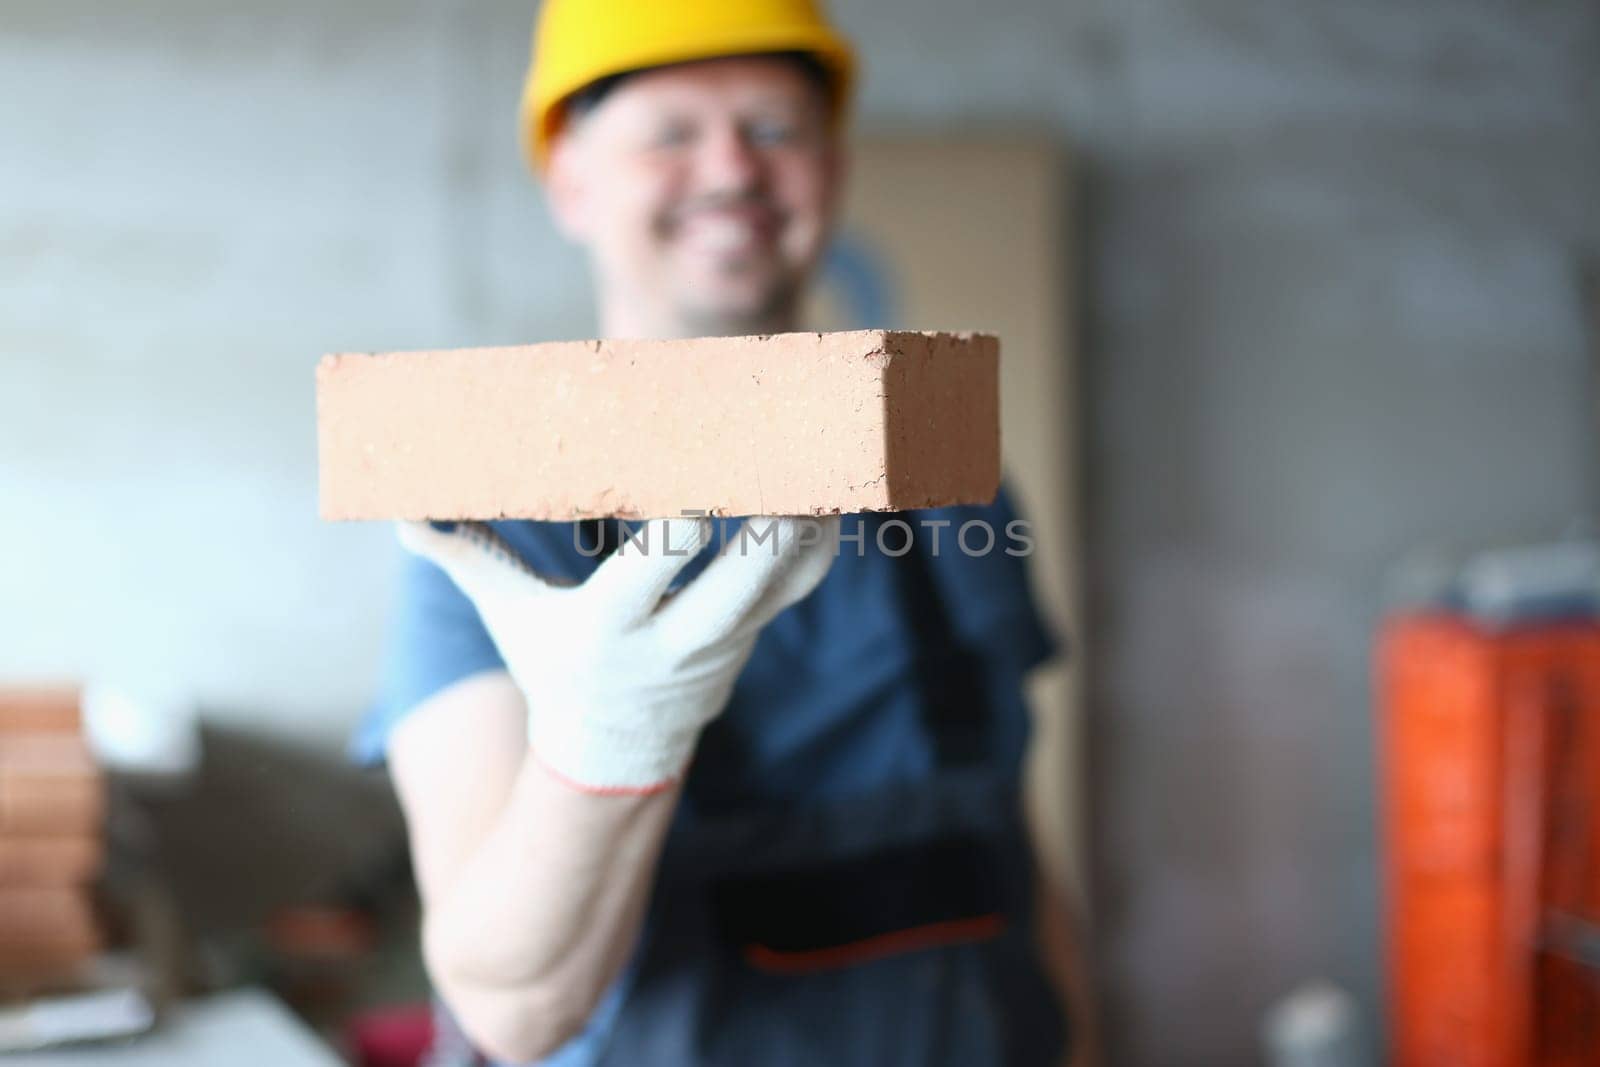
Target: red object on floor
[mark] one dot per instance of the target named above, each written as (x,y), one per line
(391,1037)
(1490,754)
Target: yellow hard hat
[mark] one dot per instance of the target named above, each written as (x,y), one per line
(578,42)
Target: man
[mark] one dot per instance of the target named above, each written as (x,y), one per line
(840,876)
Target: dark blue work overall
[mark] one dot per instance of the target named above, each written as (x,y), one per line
(847,881)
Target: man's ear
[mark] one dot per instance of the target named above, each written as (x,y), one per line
(564,188)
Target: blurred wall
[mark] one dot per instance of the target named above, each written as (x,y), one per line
(1333,317)
(196,201)
(1330,316)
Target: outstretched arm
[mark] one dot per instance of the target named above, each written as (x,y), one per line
(538,798)
(533,891)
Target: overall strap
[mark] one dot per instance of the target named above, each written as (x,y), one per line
(950,675)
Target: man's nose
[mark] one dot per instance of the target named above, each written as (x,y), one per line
(728,163)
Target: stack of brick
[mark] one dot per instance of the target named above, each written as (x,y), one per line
(52,838)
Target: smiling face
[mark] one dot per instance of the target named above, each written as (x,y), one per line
(703,193)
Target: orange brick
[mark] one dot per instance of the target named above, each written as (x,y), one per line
(802,423)
(50,860)
(49,784)
(40,709)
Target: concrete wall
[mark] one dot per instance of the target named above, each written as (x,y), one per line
(1334,317)
(1330,317)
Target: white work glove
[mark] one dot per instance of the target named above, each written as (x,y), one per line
(619,675)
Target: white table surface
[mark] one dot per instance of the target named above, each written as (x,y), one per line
(245,1028)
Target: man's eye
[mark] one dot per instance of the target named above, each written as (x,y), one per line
(673,136)
(770,134)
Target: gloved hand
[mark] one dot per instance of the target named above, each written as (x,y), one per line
(620,675)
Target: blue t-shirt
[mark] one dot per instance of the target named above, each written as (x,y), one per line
(833,701)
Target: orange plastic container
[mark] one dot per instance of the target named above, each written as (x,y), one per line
(1490,774)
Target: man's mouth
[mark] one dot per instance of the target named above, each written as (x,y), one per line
(726,230)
